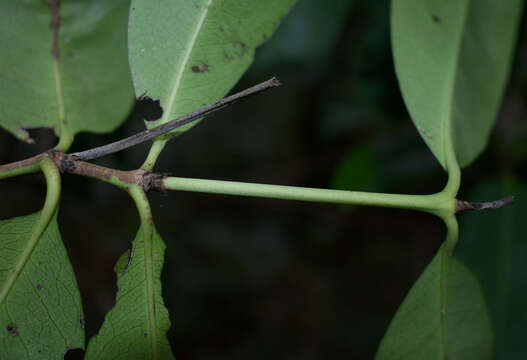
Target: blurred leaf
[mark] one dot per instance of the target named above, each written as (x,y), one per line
(129,330)
(452,59)
(87,88)
(190,53)
(357,171)
(305,36)
(444,316)
(40,307)
(493,245)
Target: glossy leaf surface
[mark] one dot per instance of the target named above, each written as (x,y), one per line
(191,53)
(493,245)
(40,310)
(444,316)
(128,331)
(452,59)
(83,84)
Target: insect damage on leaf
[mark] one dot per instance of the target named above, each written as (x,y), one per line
(197,69)
(12,330)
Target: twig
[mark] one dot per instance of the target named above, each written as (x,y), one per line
(22,163)
(462,205)
(171,125)
(66,163)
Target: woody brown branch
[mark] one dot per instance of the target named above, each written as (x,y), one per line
(66,163)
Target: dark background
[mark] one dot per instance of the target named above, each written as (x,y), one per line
(252,278)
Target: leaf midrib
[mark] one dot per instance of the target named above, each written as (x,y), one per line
(186,58)
(148,237)
(38,229)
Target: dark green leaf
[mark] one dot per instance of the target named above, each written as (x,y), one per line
(444,316)
(305,37)
(83,86)
(452,59)
(129,331)
(40,306)
(493,245)
(357,171)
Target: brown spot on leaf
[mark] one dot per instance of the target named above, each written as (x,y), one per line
(197,69)
(436,19)
(40,287)
(12,330)
(242,45)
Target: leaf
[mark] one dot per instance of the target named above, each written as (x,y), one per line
(40,309)
(305,37)
(493,245)
(357,170)
(86,88)
(129,331)
(444,316)
(452,59)
(188,54)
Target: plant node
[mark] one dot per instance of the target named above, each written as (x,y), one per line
(71,164)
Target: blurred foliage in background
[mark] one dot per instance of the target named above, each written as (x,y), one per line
(256,278)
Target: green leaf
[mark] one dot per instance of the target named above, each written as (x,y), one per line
(136,327)
(358,170)
(190,53)
(493,245)
(83,86)
(305,37)
(452,59)
(444,316)
(40,307)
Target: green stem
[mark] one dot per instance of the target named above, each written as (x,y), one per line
(454,171)
(52,176)
(65,133)
(153,154)
(438,204)
(452,234)
(17,171)
(147,227)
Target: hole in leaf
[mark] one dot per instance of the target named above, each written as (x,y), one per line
(74,354)
(148,109)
